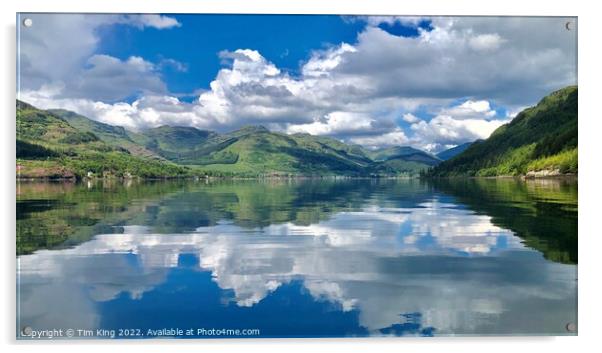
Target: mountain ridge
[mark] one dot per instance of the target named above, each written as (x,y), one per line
(247,151)
(540,138)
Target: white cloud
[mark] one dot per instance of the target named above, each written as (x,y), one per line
(104,79)
(147,111)
(322,63)
(149,20)
(465,122)
(110,79)
(486,42)
(57,46)
(442,62)
(444,130)
(335,123)
(394,138)
(410,118)
(470,110)
(355,92)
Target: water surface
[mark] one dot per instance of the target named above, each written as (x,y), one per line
(300,258)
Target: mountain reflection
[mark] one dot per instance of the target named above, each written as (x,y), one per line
(391,258)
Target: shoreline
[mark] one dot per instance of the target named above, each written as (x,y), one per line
(199,178)
(300,177)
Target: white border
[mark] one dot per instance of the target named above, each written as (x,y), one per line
(589,153)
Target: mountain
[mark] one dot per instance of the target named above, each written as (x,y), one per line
(257,151)
(540,138)
(48,146)
(406,153)
(175,143)
(401,159)
(112,135)
(399,165)
(63,143)
(260,152)
(454,151)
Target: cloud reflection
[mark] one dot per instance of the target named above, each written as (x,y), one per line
(459,271)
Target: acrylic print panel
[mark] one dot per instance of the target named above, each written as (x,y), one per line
(253,176)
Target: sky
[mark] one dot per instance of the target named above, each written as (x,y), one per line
(377,81)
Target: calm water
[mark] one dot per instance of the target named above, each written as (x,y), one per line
(299,258)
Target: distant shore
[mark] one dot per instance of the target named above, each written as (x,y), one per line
(268,177)
(537,176)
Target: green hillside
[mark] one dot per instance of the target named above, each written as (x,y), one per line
(115,136)
(399,165)
(254,150)
(172,142)
(405,153)
(60,143)
(262,152)
(49,146)
(543,137)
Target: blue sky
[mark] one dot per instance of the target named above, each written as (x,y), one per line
(283,40)
(377,81)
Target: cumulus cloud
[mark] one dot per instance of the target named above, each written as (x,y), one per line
(144,112)
(57,46)
(148,20)
(410,118)
(354,126)
(394,138)
(457,124)
(470,110)
(443,63)
(105,79)
(322,63)
(486,42)
(443,131)
(366,92)
(109,79)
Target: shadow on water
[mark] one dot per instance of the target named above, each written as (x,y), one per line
(543,212)
(58,215)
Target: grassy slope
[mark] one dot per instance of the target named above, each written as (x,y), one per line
(61,143)
(544,136)
(264,152)
(254,150)
(176,143)
(404,152)
(112,135)
(51,147)
(399,166)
